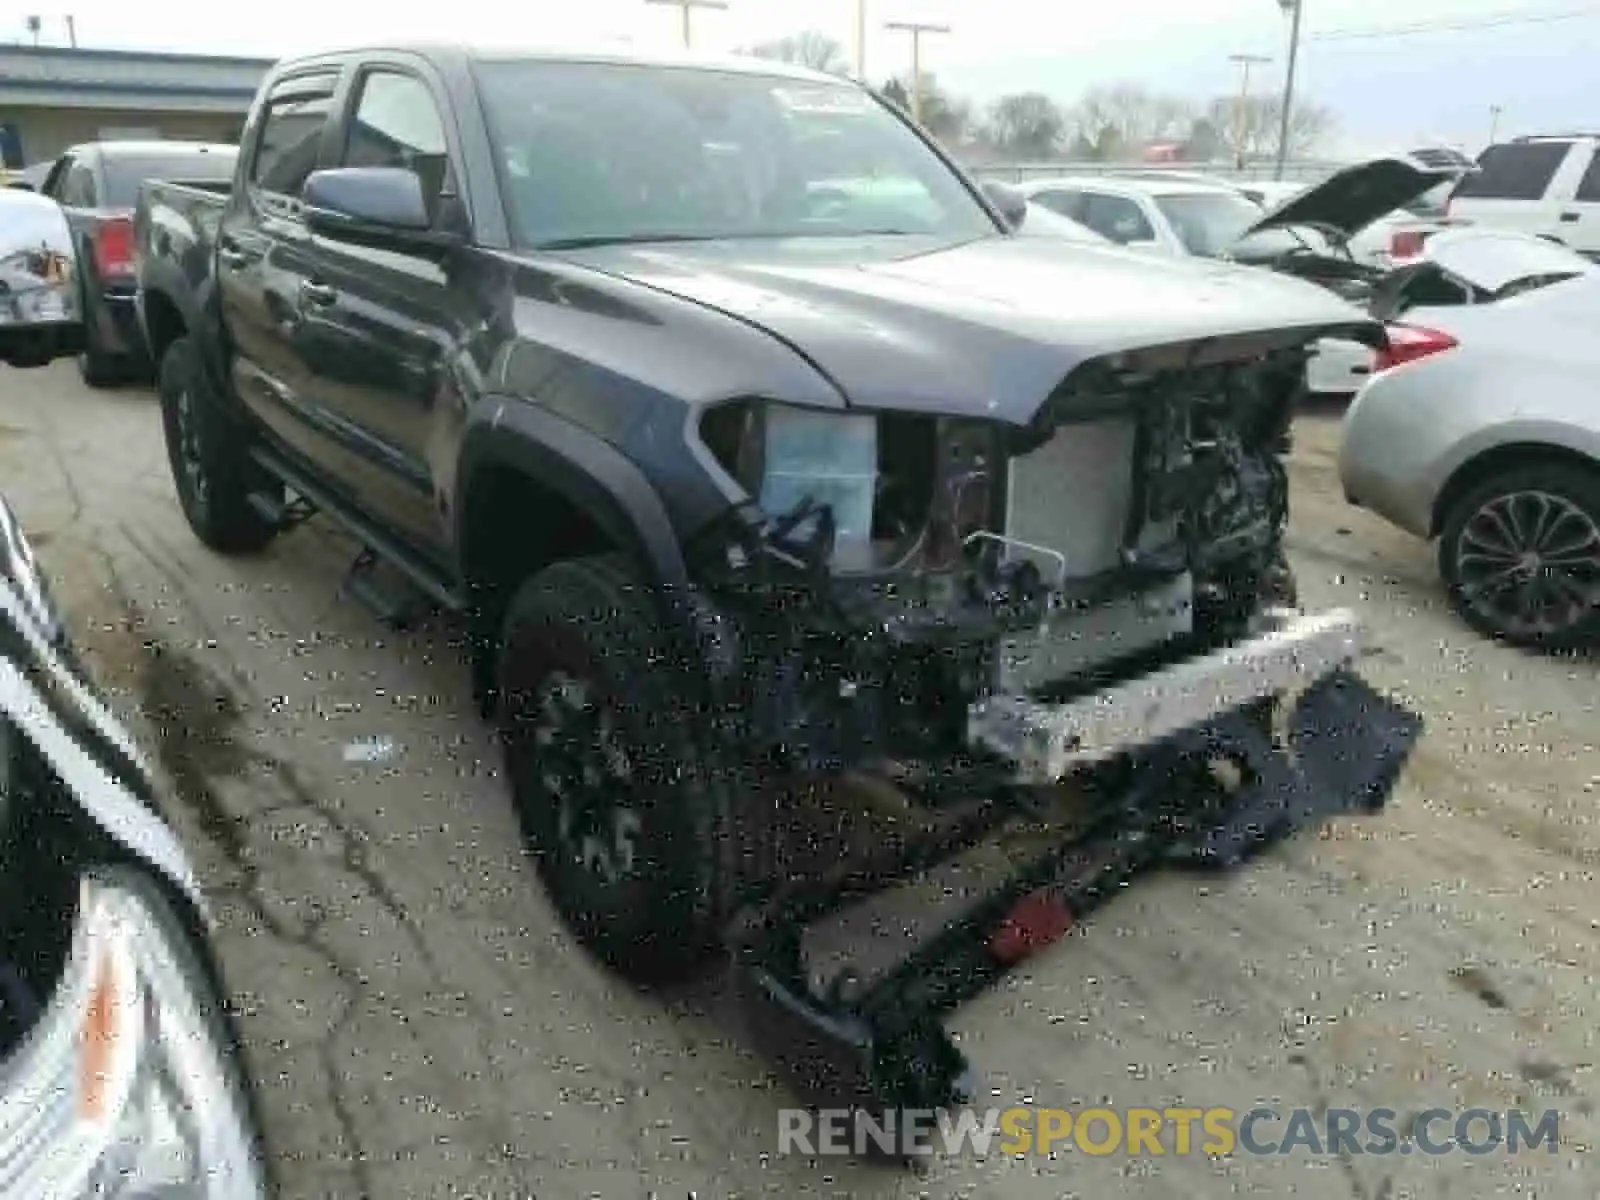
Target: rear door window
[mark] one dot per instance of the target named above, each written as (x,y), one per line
(291,133)
(1514,171)
(1117,218)
(1589,185)
(125,172)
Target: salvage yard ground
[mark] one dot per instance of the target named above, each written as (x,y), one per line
(421,1026)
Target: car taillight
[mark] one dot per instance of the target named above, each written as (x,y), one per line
(1407,343)
(113,247)
(1405,243)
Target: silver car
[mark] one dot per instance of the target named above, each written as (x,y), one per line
(1482,429)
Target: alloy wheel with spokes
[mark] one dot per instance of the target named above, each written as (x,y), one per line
(587,774)
(1522,557)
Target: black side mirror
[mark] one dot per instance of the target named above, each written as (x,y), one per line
(1013,205)
(381,207)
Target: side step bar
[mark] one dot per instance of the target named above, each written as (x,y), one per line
(848,999)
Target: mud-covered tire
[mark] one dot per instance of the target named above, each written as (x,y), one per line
(601,734)
(211,466)
(1465,560)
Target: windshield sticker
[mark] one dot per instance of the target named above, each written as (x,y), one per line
(841,101)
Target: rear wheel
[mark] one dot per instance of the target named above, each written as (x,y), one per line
(1520,555)
(211,467)
(626,824)
(100,370)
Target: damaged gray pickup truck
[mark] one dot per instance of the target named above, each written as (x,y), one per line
(859,587)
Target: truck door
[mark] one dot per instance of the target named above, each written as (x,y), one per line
(1580,219)
(262,257)
(379,327)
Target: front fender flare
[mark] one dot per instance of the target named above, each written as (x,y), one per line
(583,468)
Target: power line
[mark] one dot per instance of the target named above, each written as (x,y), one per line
(1493,21)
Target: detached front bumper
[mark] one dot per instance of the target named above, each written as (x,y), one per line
(1047,741)
(845,983)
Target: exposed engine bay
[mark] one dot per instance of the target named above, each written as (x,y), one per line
(889,569)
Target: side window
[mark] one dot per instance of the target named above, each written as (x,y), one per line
(291,134)
(1117,218)
(56,178)
(77,187)
(1060,200)
(1514,171)
(397,124)
(1589,185)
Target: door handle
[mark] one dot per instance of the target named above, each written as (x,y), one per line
(319,295)
(1569,217)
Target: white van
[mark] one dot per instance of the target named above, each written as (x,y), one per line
(1546,185)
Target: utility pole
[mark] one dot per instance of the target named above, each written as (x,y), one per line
(686,7)
(1494,121)
(1293,9)
(916,29)
(861,41)
(1241,117)
(72,32)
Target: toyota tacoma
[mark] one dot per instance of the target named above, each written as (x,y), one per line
(856,585)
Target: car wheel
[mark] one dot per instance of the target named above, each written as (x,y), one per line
(1520,555)
(100,370)
(625,825)
(211,468)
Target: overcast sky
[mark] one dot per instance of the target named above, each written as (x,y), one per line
(1528,56)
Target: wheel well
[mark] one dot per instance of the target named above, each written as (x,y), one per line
(1496,461)
(164,324)
(515,525)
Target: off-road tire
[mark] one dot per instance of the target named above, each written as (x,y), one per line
(208,454)
(100,370)
(592,620)
(1568,484)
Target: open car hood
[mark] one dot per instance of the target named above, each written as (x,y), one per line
(1351,199)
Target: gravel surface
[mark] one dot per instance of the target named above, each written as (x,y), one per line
(421,1025)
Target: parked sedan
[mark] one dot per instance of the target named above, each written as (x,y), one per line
(1481,430)
(97,185)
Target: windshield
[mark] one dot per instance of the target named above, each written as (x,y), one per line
(1208,223)
(592,152)
(125,172)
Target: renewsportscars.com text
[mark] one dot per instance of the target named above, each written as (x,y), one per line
(1153,1132)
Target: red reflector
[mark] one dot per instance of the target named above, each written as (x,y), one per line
(1407,343)
(1038,919)
(1406,243)
(113,246)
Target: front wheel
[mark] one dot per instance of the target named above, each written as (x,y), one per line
(211,467)
(1520,555)
(624,820)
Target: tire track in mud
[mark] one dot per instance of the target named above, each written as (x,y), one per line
(197,722)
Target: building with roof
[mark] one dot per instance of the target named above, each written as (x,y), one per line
(52,97)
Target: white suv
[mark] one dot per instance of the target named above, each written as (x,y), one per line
(1547,185)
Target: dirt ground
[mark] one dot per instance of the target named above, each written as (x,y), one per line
(421,1026)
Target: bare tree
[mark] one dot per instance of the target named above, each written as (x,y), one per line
(1119,119)
(947,117)
(1249,127)
(806,49)
(1028,125)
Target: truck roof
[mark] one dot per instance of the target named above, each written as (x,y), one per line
(455,53)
